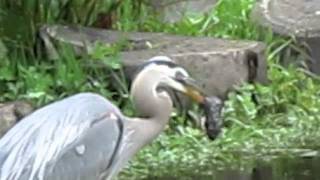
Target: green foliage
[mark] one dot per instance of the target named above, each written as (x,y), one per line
(283,120)
(280,118)
(226,20)
(46,81)
(33,13)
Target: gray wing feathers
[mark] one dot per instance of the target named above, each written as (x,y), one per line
(40,139)
(89,157)
(2,156)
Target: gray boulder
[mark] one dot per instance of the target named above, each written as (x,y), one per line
(11,113)
(297,18)
(218,65)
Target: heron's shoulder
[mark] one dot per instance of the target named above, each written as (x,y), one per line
(86,98)
(86,101)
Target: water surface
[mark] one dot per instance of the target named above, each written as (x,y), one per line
(281,168)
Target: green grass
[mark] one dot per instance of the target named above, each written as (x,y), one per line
(284,116)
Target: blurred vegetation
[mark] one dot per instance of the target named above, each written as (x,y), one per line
(283,117)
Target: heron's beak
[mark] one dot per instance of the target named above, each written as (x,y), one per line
(191,89)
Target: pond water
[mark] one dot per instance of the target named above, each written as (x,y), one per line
(307,168)
(284,168)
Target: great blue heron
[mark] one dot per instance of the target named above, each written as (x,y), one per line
(85,137)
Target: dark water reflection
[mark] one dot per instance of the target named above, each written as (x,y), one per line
(307,168)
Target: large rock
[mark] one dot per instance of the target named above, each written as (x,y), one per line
(219,65)
(174,10)
(298,18)
(11,113)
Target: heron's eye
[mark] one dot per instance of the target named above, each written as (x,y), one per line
(179,75)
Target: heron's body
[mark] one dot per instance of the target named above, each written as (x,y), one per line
(85,137)
(54,154)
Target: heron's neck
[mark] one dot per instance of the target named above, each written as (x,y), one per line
(153,109)
(154,113)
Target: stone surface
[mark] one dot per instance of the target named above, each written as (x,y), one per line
(314,62)
(217,64)
(297,17)
(11,113)
(174,10)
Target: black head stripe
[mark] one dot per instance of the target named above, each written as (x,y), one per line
(157,62)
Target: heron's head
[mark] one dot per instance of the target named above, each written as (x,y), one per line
(166,74)
(160,74)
